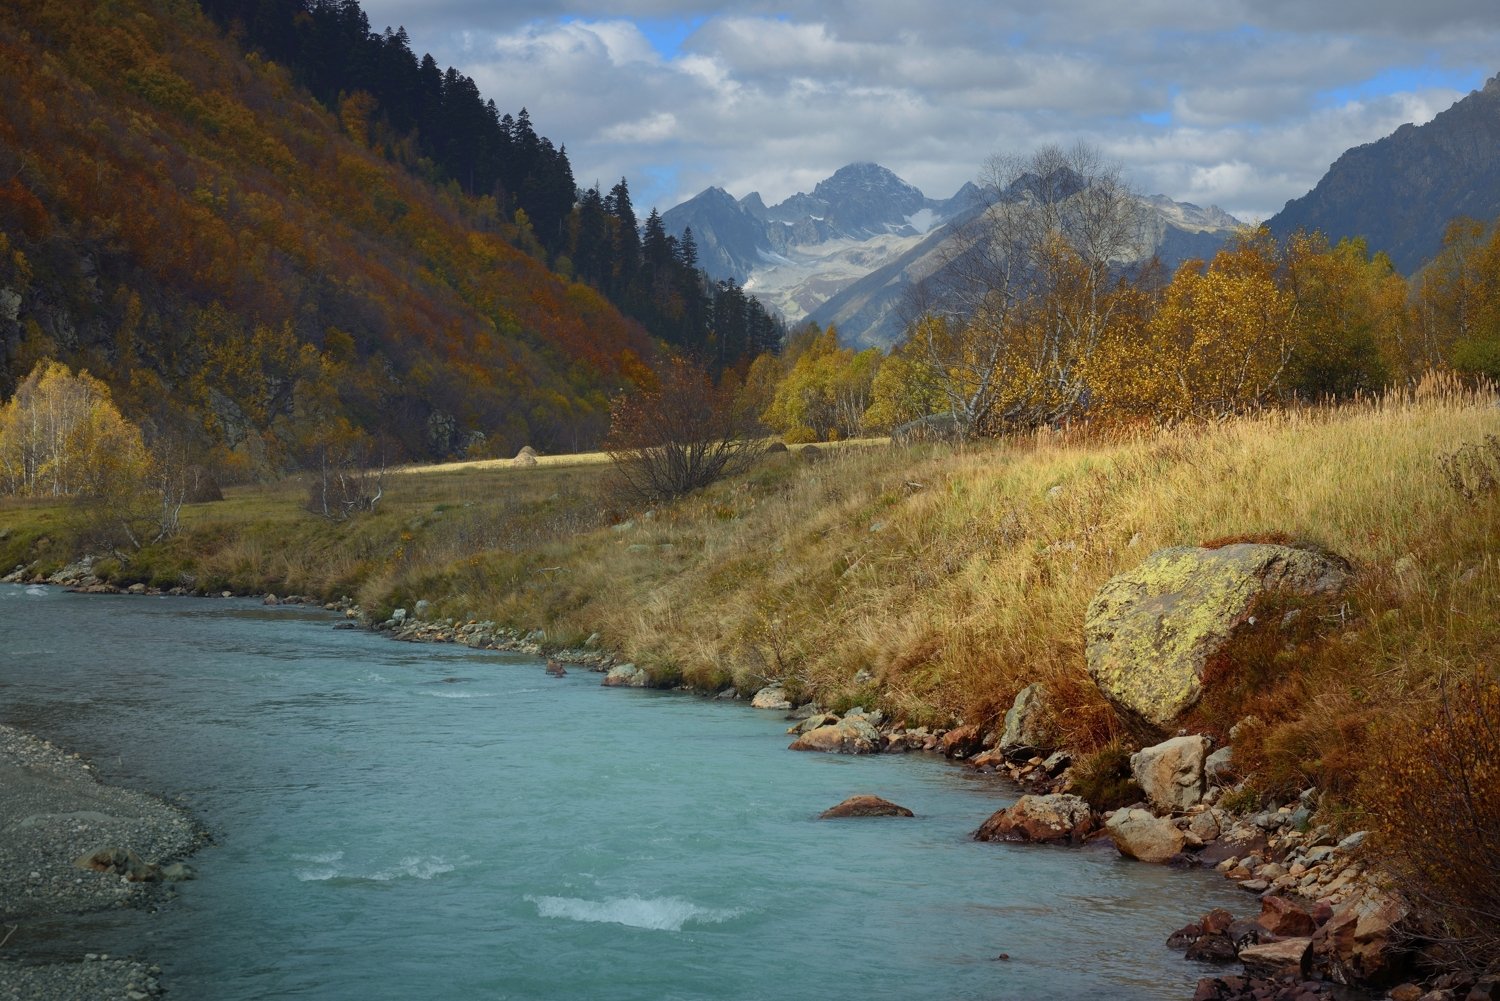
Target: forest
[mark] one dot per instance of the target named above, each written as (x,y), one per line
(265,231)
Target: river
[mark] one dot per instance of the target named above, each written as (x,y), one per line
(404,821)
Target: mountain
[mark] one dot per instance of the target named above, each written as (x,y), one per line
(1400,192)
(846,253)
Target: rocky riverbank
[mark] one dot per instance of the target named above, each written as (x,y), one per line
(71,845)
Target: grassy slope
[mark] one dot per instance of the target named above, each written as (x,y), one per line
(934,581)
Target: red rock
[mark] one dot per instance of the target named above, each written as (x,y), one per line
(1276,959)
(865,806)
(961,741)
(1056,818)
(1360,944)
(1281,916)
(1217,921)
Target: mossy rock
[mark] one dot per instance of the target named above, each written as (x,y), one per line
(1150,632)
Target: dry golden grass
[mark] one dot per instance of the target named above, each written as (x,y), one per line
(935,580)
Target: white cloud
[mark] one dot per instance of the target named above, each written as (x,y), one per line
(1259,95)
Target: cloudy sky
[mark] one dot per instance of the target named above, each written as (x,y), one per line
(1238,103)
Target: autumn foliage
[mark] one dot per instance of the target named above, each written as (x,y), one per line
(189,225)
(680,435)
(1435,799)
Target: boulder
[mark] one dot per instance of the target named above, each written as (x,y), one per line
(626,676)
(1028,729)
(865,806)
(1276,959)
(1171,773)
(525,457)
(961,741)
(1361,942)
(1285,919)
(771,697)
(1054,818)
(850,735)
(1139,834)
(1149,632)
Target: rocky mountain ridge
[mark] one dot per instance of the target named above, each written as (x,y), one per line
(1400,192)
(845,253)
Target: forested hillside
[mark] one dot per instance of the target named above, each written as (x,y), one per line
(256,269)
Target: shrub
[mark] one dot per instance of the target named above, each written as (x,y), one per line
(1434,800)
(1103,778)
(682,435)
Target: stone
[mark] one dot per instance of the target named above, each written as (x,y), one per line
(1149,632)
(961,741)
(1218,767)
(121,862)
(1284,918)
(1047,819)
(812,722)
(421,608)
(771,697)
(1139,834)
(1171,773)
(1028,728)
(1204,826)
(626,676)
(1216,921)
(850,735)
(1405,992)
(865,806)
(1212,949)
(1360,943)
(1276,959)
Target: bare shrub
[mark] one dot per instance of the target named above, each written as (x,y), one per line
(681,435)
(1434,799)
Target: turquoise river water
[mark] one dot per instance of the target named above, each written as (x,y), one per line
(403,821)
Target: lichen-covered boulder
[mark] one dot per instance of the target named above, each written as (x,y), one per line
(850,735)
(626,676)
(1047,819)
(1149,632)
(1171,773)
(1028,729)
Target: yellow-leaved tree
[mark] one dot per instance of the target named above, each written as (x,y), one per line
(1222,338)
(62,436)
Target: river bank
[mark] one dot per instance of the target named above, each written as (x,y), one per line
(56,813)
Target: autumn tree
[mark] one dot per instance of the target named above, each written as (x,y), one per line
(1014,318)
(62,436)
(1222,339)
(825,391)
(1456,302)
(680,435)
(1348,316)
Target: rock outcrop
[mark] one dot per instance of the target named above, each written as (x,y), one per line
(1050,819)
(1150,632)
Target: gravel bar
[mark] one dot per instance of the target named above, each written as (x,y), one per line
(53,811)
